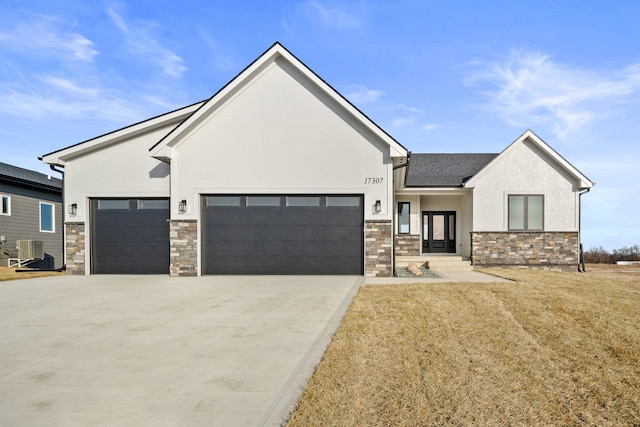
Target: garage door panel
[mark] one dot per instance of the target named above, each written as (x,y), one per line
(252,250)
(283,239)
(300,265)
(284,233)
(129,236)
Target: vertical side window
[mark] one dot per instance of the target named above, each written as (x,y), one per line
(47,217)
(403,217)
(535,213)
(5,205)
(516,213)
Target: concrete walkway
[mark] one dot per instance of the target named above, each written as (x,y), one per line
(159,351)
(449,276)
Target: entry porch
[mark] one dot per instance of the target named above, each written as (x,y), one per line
(433,223)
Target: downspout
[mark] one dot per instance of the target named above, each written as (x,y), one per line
(63,230)
(393,212)
(581,253)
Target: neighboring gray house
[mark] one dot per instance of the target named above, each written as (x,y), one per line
(278,173)
(30,209)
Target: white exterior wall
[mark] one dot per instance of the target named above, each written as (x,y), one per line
(525,169)
(120,170)
(280,134)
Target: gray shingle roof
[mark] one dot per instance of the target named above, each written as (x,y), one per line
(444,170)
(28,177)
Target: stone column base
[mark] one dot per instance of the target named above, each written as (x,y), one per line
(377,237)
(183,254)
(75,245)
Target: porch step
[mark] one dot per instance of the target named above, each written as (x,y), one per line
(437,263)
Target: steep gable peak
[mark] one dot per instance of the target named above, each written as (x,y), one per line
(276,53)
(532,138)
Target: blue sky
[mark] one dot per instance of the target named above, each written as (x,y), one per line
(439,76)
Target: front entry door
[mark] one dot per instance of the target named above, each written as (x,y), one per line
(438,232)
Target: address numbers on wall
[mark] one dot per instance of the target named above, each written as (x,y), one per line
(372,180)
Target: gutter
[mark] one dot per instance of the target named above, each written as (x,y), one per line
(581,266)
(393,215)
(62,208)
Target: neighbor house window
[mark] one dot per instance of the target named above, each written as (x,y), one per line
(403,217)
(526,212)
(47,217)
(5,205)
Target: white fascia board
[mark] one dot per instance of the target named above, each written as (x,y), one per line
(584,181)
(178,116)
(395,149)
(196,119)
(535,139)
(275,53)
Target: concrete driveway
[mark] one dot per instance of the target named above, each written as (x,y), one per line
(160,351)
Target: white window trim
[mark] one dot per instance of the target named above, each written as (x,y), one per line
(53,217)
(2,196)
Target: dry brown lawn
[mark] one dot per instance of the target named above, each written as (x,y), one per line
(548,349)
(11,274)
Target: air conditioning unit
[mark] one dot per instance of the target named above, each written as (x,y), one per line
(30,249)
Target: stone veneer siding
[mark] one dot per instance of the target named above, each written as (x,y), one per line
(183,255)
(75,247)
(535,250)
(377,237)
(407,245)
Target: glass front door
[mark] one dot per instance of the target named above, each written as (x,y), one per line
(438,232)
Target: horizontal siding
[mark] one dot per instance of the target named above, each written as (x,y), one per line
(24,224)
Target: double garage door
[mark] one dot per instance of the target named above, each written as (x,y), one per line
(241,234)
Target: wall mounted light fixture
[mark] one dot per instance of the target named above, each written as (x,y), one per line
(182,206)
(377,208)
(73,209)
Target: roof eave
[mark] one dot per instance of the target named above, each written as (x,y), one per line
(32,184)
(60,157)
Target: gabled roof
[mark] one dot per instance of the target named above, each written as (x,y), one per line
(276,52)
(444,170)
(531,137)
(17,175)
(174,117)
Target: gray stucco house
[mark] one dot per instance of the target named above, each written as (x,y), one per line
(277,173)
(30,210)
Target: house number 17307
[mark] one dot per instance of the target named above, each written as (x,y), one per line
(373,180)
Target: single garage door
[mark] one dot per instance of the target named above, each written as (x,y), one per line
(283,234)
(129,236)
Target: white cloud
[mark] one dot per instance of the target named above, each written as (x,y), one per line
(410,109)
(68,86)
(118,21)
(430,126)
(141,42)
(52,97)
(46,37)
(528,88)
(335,18)
(107,106)
(360,95)
(402,122)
